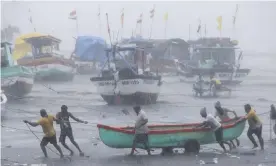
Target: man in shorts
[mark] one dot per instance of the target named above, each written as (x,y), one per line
(222,113)
(212,122)
(255,126)
(46,122)
(141,130)
(66,129)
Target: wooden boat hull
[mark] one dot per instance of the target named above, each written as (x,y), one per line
(172,136)
(51,68)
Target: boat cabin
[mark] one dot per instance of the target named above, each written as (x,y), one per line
(6,55)
(211,53)
(44,46)
(129,60)
(212,56)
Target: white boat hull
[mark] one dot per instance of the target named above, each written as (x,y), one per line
(130,90)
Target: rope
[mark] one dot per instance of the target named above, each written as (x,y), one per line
(11,161)
(40,140)
(19,129)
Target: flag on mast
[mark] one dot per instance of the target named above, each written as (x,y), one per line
(99,12)
(73,15)
(166,16)
(152,11)
(235,16)
(219,20)
(31,19)
(199,27)
(140,19)
(122,18)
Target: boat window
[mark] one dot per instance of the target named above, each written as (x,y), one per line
(224,56)
(46,49)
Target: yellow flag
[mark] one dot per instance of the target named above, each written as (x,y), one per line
(219,20)
(166,16)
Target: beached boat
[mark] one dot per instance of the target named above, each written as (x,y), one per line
(47,61)
(213,55)
(16,80)
(128,82)
(89,54)
(163,52)
(170,136)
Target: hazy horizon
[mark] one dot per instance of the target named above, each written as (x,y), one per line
(255,23)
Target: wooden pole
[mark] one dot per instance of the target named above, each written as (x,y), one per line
(189,31)
(151,28)
(77,26)
(166,23)
(141,28)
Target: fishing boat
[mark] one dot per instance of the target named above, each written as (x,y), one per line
(129,81)
(164,52)
(213,55)
(170,136)
(16,80)
(88,54)
(47,61)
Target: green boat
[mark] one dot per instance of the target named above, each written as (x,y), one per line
(170,136)
(16,81)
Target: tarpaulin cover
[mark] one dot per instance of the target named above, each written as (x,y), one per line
(90,48)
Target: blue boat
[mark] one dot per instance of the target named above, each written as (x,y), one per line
(89,54)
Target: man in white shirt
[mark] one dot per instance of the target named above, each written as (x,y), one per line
(212,122)
(141,130)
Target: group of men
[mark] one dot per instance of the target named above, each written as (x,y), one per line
(62,118)
(255,126)
(141,129)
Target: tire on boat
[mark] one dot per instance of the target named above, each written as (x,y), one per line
(192,146)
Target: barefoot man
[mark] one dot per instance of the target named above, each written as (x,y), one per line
(46,122)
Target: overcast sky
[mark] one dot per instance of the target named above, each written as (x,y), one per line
(255,25)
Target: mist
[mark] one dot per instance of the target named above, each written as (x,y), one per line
(255,23)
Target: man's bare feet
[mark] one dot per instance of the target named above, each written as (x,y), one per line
(71,153)
(255,146)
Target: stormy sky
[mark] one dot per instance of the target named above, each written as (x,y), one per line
(255,24)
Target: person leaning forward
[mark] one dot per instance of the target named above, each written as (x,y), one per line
(46,122)
(141,130)
(255,126)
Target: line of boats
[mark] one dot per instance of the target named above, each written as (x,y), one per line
(129,71)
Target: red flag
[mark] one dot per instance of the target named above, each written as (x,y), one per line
(73,15)
(122,18)
(140,20)
(152,13)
